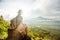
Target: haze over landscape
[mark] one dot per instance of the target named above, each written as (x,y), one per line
(33,11)
(49,9)
(41,16)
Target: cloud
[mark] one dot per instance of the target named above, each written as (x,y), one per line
(53,10)
(54,5)
(31,7)
(50,8)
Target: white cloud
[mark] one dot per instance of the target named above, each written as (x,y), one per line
(44,7)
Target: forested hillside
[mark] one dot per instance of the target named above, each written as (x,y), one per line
(3,28)
(36,33)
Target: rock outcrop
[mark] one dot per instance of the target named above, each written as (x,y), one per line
(18,30)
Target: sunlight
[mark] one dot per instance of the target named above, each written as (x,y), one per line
(26,15)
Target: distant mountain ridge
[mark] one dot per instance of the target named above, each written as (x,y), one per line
(41,20)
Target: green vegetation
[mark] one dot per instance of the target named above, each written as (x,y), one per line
(3,28)
(37,33)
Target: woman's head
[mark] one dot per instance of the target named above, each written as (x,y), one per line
(19,12)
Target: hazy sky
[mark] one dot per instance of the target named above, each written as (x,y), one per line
(30,8)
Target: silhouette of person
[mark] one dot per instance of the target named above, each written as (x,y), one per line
(16,21)
(18,31)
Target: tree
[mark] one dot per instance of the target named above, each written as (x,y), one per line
(3,28)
